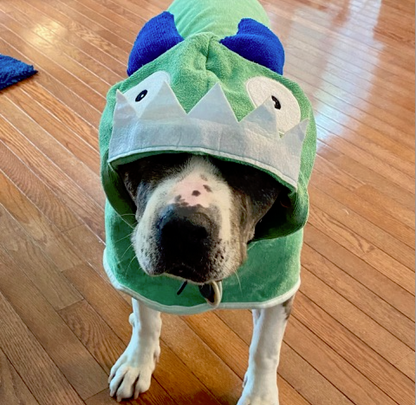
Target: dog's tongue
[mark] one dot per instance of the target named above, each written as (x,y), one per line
(212,292)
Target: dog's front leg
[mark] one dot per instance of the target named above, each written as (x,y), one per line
(132,373)
(260,386)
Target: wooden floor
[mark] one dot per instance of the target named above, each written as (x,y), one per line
(351,337)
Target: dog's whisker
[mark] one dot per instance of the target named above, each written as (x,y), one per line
(124,215)
(239,281)
(130,246)
(131,261)
(125,237)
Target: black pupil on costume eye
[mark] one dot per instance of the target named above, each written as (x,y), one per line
(141,95)
(277,104)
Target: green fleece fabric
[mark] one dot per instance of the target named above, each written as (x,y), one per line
(271,273)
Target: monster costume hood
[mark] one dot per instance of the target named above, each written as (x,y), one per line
(206,78)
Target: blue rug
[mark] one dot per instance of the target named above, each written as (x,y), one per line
(12,71)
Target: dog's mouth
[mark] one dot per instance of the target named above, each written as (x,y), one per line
(193,274)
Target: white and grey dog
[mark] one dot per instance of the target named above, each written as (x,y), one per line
(195,216)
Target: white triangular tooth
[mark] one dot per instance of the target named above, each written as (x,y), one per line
(124,111)
(293,140)
(297,133)
(263,117)
(214,107)
(162,106)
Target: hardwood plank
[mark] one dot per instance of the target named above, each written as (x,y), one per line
(71,357)
(62,26)
(53,176)
(327,169)
(45,381)
(407,366)
(339,372)
(359,295)
(35,224)
(36,191)
(362,228)
(53,150)
(53,85)
(112,21)
(361,271)
(84,130)
(12,389)
(371,178)
(98,34)
(384,201)
(89,246)
(339,109)
(35,109)
(392,269)
(335,124)
(338,231)
(67,81)
(201,360)
(391,381)
(352,36)
(21,22)
(114,56)
(333,78)
(21,10)
(18,250)
(351,201)
(359,323)
(94,333)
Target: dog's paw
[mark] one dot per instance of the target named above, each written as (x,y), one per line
(132,373)
(259,390)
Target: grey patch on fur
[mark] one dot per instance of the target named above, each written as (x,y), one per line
(288,305)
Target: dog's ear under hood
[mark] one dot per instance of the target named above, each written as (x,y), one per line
(209,92)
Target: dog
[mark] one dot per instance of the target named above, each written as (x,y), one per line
(214,206)
(206,154)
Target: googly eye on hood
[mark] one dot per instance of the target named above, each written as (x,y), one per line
(286,106)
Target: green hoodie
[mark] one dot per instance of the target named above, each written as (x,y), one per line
(211,96)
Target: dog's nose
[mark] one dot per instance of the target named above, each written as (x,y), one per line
(183,227)
(185,237)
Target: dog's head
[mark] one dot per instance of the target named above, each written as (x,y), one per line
(195,215)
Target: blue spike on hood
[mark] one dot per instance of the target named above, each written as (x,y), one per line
(257,43)
(156,37)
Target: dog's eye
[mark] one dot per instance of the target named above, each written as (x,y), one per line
(286,107)
(141,96)
(276,102)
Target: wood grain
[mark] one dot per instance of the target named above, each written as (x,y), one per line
(12,389)
(78,366)
(45,381)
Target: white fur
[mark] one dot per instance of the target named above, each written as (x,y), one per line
(131,375)
(260,387)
